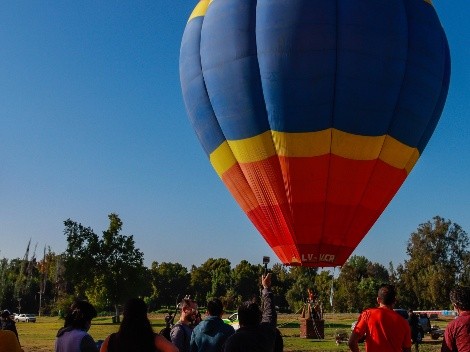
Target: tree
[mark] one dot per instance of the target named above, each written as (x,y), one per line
(303,278)
(3,278)
(246,280)
(81,256)
(211,279)
(169,282)
(465,277)
(358,283)
(438,260)
(323,282)
(281,283)
(120,265)
(108,270)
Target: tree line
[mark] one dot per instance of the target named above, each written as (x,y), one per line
(108,269)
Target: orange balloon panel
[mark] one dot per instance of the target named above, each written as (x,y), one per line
(319,220)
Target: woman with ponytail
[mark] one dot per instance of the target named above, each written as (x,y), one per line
(74,337)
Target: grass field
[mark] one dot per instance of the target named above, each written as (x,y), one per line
(40,336)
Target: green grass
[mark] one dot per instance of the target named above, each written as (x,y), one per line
(40,336)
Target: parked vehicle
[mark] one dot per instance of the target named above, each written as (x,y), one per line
(232,320)
(27,318)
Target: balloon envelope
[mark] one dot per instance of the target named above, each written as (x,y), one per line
(314,112)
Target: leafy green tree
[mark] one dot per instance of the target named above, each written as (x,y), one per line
(358,283)
(438,258)
(231,300)
(108,270)
(281,283)
(220,272)
(323,282)
(169,282)
(120,265)
(211,279)
(18,295)
(81,257)
(246,280)
(52,284)
(3,278)
(303,278)
(97,294)
(220,282)
(465,277)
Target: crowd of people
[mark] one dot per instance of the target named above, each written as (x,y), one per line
(191,333)
(384,329)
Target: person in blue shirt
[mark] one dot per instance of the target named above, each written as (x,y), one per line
(211,333)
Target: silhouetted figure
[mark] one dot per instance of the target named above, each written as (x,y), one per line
(135,332)
(74,337)
(257,332)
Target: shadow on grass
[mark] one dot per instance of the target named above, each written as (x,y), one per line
(290,325)
(337,325)
(431,342)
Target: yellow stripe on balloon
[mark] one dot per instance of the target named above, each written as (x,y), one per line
(302,144)
(313,144)
(356,147)
(428,1)
(398,155)
(252,149)
(222,158)
(200,9)
(412,162)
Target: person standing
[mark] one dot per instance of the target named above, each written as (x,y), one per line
(211,333)
(136,333)
(416,335)
(8,323)
(257,332)
(74,337)
(386,330)
(181,332)
(457,333)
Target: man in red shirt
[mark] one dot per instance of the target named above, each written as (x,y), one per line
(385,330)
(457,334)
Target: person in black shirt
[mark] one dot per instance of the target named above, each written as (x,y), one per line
(8,323)
(257,332)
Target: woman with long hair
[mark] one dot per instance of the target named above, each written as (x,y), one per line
(135,333)
(74,337)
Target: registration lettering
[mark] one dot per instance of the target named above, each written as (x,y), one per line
(323,257)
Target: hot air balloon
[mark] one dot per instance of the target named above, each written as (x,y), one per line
(314,112)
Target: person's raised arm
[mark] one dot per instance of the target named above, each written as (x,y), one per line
(269,310)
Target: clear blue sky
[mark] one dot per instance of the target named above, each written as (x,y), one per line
(93,122)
